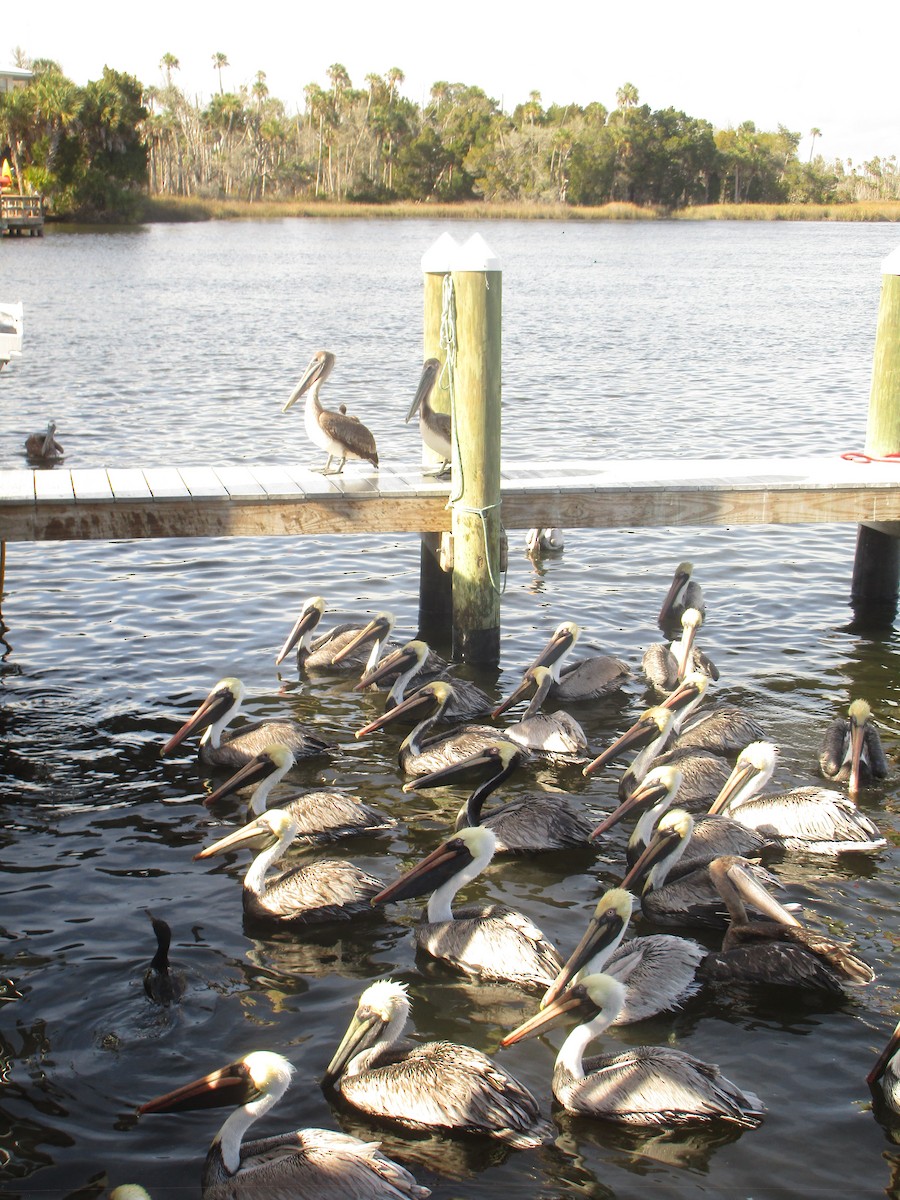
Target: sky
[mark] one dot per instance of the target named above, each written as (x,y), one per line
(797,63)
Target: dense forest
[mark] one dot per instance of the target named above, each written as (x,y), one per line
(98,150)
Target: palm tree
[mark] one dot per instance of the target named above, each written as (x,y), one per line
(169,63)
(813,133)
(219,61)
(627,96)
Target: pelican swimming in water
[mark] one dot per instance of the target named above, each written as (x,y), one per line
(544,541)
(532,822)
(554,736)
(813,820)
(347,646)
(431,1085)
(684,592)
(337,433)
(711,836)
(319,815)
(666,664)
(587,679)
(487,941)
(419,753)
(163,983)
(326,889)
(435,427)
(778,952)
(658,971)
(852,750)
(725,730)
(690,899)
(647,1085)
(885,1072)
(416,659)
(306,1164)
(43,447)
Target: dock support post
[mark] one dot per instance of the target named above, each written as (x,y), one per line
(876,566)
(475,486)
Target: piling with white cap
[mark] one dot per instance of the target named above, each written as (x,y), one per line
(876,566)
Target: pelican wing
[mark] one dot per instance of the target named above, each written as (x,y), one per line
(493,942)
(324,890)
(538,821)
(349,432)
(326,816)
(816,819)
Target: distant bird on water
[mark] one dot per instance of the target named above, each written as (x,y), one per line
(162,983)
(435,427)
(684,593)
(43,447)
(337,433)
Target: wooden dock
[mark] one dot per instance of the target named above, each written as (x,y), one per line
(22,214)
(291,501)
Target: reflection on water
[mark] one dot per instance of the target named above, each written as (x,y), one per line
(672,340)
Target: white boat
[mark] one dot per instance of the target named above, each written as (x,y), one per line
(11,326)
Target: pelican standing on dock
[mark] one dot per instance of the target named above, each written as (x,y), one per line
(658,970)
(435,1085)
(220,749)
(886,1072)
(587,679)
(486,941)
(307,1164)
(337,433)
(435,427)
(647,1085)
(326,889)
(852,750)
(812,820)
(530,823)
(347,646)
(778,952)
(320,815)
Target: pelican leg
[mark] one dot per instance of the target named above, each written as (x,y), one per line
(437,472)
(324,470)
(337,470)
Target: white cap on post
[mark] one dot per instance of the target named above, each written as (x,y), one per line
(891,265)
(476,255)
(442,256)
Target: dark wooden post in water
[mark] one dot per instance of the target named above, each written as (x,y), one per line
(475,486)
(876,567)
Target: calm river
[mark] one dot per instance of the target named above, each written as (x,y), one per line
(179,344)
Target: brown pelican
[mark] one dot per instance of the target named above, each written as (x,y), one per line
(852,750)
(703,773)
(219,749)
(338,434)
(347,646)
(586,679)
(647,1085)
(555,736)
(810,819)
(435,427)
(886,1072)
(306,1164)
(420,754)
(658,970)
(666,665)
(725,730)
(684,592)
(324,890)
(711,836)
(417,659)
(487,941)
(532,822)
(162,983)
(544,541)
(778,952)
(691,899)
(320,816)
(43,447)
(435,1085)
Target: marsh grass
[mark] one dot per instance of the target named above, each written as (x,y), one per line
(177,208)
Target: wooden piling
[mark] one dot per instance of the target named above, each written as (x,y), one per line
(876,566)
(475,495)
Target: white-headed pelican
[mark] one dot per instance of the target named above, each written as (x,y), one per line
(306,1164)
(647,1085)
(852,750)
(220,749)
(587,679)
(666,664)
(326,889)
(417,659)
(347,647)
(554,736)
(724,730)
(337,433)
(431,1085)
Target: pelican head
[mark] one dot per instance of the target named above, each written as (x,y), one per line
(427,701)
(310,616)
(274,823)
(860,714)
(378,629)
(460,859)
(536,682)
(655,722)
(430,370)
(271,764)
(381,1015)
(688,693)
(410,655)
(595,995)
(320,367)
(219,706)
(260,1075)
(752,771)
(660,784)
(563,640)
(497,761)
(605,931)
(666,846)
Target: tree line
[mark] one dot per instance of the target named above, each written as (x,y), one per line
(96,150)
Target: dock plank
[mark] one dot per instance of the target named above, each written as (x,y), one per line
(129,483)
(165,483)
(91,483)
(54,485)
(16,486)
